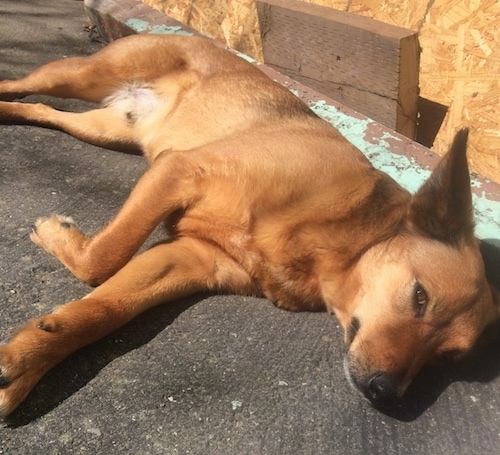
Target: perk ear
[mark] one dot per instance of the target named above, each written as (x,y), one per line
(442,207)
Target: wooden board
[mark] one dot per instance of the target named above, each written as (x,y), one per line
(362,63)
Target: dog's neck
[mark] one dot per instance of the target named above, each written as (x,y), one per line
(327,277)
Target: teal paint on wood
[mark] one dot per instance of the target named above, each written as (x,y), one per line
(137,24)
(142,26)
(170,29)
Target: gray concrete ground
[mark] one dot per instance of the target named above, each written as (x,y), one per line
(210,374)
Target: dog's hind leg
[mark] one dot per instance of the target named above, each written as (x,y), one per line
(87,78)
(134,59)
(106,127)
(93,78)
(166,272)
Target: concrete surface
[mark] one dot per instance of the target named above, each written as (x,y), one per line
(207,375)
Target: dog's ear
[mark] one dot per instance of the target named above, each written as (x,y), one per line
(442,208)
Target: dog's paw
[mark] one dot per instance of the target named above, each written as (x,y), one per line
(16,380)
(26,357)
(58,235)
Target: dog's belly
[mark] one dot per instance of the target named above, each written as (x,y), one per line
(134,102)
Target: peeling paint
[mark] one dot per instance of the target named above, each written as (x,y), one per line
(137,24)
(487,215)
(376,148)
(245,57)
(170,29)
(143,26)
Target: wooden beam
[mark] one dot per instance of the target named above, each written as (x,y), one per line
(363,63)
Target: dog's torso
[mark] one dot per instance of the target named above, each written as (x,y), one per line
(265,215)
(275,180)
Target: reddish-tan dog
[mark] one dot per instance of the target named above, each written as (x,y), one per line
(260,197)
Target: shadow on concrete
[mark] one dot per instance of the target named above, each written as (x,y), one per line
(481,366)
(81,367)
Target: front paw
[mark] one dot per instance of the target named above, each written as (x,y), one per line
(27,356)
(59,236)
(57,233)
(18,376)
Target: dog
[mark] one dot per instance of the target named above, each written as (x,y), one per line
(259,196)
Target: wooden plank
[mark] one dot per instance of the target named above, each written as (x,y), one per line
(362,63)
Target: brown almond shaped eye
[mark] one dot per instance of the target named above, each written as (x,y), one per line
(421,296)
(420,299)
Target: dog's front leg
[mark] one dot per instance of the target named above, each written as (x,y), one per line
(165,272)
(161,191)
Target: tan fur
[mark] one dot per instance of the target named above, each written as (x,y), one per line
(262,198)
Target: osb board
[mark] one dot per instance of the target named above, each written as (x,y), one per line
(232,21)
(460,61)
(461,41)
(404,13)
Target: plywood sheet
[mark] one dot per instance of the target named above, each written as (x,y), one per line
(403,13)
(461,69)
(234,22)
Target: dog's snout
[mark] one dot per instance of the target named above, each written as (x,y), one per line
(381,389)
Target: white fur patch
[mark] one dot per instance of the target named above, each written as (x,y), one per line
(134,102)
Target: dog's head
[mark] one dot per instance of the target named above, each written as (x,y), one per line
(423,295)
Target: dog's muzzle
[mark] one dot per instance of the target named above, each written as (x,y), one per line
(379,388)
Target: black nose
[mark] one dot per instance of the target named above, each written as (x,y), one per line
(381,389)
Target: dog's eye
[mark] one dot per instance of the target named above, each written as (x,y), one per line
(420,299)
